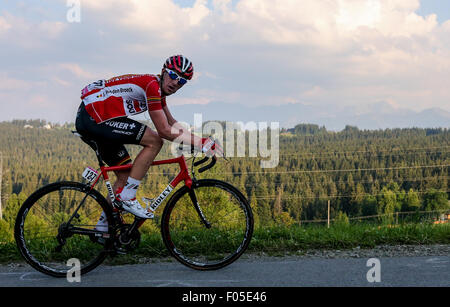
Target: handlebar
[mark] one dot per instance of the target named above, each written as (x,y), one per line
(207,167)
(206,158)
(201,161)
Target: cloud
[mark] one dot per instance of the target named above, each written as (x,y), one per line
(51,30)
(344,51)
(19,32)
(163,20)
(4,25)
(253,52)
(181,101)
(8,83)
(334,25)
(76,70)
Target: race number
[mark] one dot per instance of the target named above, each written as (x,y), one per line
(90,174)
(93,86)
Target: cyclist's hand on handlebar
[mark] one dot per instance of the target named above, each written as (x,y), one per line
(211,147)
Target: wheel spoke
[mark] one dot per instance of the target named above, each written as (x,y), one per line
(200,247)
(43,226)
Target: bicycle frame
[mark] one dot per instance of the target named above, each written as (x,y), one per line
(183,175)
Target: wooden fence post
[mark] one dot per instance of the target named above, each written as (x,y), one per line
(328,221)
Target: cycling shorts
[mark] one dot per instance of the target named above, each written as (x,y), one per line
(110,136)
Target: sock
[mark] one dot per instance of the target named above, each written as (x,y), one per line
(130,189)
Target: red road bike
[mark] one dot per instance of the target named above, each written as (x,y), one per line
(206,224)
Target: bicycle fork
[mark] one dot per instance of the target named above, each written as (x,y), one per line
(198,209)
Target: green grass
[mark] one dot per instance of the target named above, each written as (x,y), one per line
(346,237)
(281,239)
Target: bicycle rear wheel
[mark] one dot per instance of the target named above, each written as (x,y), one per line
(56,223)
(202,247)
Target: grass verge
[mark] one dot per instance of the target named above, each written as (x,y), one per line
(281,239)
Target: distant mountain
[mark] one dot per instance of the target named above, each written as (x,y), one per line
(376,116)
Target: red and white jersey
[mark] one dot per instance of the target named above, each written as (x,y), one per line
(122,96)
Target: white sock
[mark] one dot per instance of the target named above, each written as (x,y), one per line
(130,189)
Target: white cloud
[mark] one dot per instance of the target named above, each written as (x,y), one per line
(160,19)
(4,25)
(76,70)
(347,52)
(20,32)
(175,101)
(326,23)
(51,30)
(353,14)
(330,24)
(8,83)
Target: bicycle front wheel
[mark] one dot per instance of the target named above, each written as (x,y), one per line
(56,224)
(212,235)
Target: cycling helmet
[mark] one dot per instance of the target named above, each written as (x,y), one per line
(181,65)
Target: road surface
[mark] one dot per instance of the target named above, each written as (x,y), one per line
(263,272)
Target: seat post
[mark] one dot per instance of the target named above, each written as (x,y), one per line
(97,153)
(99,158)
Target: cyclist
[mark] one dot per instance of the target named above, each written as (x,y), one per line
(103,118)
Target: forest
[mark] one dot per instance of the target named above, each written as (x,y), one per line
(359,172)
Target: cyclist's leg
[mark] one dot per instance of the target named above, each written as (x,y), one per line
(116,132)
(110,137)
(121,180)
(152,144)
(114,154)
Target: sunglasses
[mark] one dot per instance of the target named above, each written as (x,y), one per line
(174,76)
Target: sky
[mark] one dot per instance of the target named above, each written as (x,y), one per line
(357,53)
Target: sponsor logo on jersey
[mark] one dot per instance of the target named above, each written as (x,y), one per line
(119,90)
(130,106)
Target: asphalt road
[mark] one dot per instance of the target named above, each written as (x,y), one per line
(265,272)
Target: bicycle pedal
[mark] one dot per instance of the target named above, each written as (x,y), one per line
(120,251)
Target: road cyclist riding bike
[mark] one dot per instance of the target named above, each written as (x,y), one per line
(102,117)
(206,224)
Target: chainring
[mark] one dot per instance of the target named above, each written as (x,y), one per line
(125,243)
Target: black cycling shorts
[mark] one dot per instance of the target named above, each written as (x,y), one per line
(110,135)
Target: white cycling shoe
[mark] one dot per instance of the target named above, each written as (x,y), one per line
(102,224)
(134,207)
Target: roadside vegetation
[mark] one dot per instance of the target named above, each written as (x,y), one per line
(283,240)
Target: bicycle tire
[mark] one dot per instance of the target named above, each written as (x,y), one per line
(36,213)
(226,240)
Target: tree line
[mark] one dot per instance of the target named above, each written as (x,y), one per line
(362,172)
